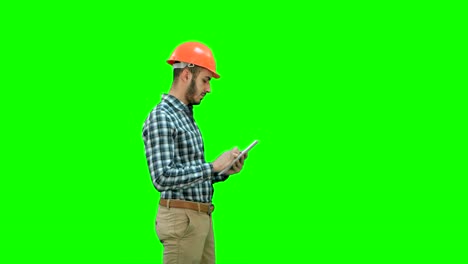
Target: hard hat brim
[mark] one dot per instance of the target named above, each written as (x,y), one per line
(215,75)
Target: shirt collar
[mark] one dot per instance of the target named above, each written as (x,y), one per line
(176,103)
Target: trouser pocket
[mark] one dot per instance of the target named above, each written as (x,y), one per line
(172,223)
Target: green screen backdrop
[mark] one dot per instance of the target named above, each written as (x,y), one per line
(358,108)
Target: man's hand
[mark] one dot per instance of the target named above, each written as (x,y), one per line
(225,159)
(237,167)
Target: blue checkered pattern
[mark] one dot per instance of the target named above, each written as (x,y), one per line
(175,153)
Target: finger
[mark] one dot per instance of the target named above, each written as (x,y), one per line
(243,158)
(238,165)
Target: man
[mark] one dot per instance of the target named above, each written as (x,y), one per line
(175,156)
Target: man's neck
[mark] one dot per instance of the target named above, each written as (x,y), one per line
(176,92)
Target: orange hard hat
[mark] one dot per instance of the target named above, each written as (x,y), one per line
(194,53)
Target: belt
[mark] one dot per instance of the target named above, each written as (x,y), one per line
(200,207)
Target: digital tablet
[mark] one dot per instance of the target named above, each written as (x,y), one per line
(240,156)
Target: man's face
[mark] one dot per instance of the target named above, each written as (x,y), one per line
(198,87)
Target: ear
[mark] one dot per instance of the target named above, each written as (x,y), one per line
(186,75)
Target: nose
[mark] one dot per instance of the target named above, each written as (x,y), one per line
(208,88)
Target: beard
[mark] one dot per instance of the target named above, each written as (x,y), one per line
(190,94)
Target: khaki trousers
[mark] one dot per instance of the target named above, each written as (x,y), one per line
(187,236)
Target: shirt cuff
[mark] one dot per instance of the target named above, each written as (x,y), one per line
(207,170)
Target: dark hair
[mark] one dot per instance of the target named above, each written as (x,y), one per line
(195,70)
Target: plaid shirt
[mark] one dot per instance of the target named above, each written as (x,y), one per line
(175,153)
